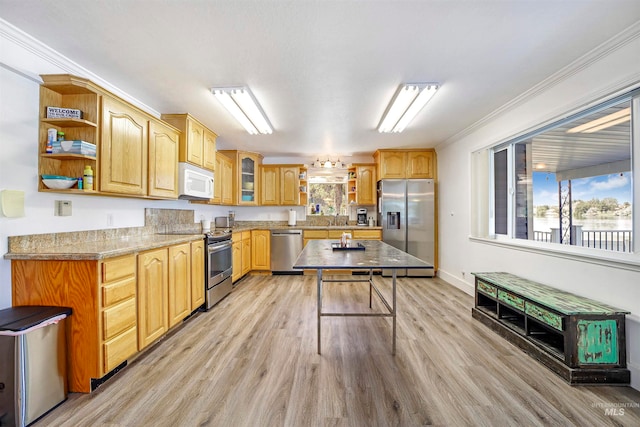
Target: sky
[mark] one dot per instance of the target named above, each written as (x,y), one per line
(545,188)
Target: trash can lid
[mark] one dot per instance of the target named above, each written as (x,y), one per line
(24,317)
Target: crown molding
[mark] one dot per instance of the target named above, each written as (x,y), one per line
(14,35)
(604,49)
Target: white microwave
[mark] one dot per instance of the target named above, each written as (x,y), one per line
(194,183)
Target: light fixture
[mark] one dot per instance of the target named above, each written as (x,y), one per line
(604,122)
(407,102)
(241,103)
(327,164)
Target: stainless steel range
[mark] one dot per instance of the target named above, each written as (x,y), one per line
(218,267)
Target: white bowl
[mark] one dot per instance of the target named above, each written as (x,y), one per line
(59,184)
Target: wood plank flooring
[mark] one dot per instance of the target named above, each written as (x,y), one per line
(252,361)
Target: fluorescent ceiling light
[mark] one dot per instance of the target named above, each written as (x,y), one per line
(406,104)
(604,122)
(239,101)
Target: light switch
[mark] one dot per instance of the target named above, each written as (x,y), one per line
(63,208)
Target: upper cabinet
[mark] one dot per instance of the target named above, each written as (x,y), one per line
(362,183)
(163,160)
(135,153)
(280,184)
(410,164)
(123,149)
(197,143)
(245,176)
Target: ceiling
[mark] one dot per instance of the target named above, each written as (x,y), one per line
(324,71)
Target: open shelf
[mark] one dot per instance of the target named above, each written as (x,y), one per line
(69,122)
(68,156)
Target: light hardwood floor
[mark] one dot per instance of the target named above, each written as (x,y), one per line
(252,361)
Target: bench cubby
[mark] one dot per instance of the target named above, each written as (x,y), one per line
(580,339)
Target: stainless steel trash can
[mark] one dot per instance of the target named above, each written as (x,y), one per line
(33,374)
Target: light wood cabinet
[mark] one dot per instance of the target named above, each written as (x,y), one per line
(118,312)
(102,294)
(66,91)
(280,185)
(303,183)
(222,181)
(179,283)
(361,184)
(246,252)
(197,274)
(163,160)
(245,175)
(135,152)
(197,143)
(420,164)
(367,234)
(406,164)
(153,284)
(123,149)
(236,257)
(261,250)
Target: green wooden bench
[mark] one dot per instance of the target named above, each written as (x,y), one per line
(580,339)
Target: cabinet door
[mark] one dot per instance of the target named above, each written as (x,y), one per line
(270,179)
(153,278)
(195,143)
(289,185)
(392,164)
(227,183)
(420,164)
(197,274)
(248,180)
(217,182)
(123,150)
(236,257)
(366,186)
(209,150)
(163,161)
(260,250)
(179,283)
(246,254)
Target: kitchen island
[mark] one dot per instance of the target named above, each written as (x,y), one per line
(320,255)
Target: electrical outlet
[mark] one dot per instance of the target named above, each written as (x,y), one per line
(109,220)
(62,208)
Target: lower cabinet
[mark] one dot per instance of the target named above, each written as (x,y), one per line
(261,250)
(197,274)
(241,254)
(153,290)
(246,252)
(179,283)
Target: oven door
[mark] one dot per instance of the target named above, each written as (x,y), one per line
(219,262)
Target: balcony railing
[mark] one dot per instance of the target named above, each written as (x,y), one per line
(613,240)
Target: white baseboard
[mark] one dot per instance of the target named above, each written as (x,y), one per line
(455,281)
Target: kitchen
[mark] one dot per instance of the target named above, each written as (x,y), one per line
(24,59)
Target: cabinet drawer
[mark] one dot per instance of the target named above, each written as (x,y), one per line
(544,315)
(118,268)
(315,234)
(511,299)
(336,234)
(487,289)
(118,291)
(367,234)
(118,318)
(119,349)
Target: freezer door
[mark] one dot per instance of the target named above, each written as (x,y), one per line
(393,216)
(421,223)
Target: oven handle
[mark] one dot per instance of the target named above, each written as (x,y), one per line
(217,247)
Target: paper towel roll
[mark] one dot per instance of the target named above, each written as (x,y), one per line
(292,217)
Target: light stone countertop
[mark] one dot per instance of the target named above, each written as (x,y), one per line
(318,254)
(101,249)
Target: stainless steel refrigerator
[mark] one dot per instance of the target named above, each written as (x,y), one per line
(407,215)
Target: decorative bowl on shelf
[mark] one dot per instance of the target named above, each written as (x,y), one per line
(58,182)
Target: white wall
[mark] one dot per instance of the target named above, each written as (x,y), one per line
(607,70)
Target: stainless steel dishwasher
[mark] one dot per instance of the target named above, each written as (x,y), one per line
(286,245)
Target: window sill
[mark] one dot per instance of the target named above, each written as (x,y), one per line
(605,258)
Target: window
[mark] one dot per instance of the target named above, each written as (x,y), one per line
(327,195)
(569,182)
